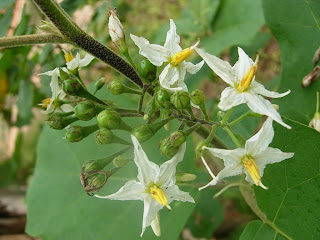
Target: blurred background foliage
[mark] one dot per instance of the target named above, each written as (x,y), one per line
(222,25)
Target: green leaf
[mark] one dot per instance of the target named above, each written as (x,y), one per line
(236,23)
(298,34)
(5,20)
(58,207)
(291,204)
(257,230)
(24,102)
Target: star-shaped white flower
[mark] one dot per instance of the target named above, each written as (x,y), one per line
(172,76)
(79,63)
(55,103)
(242,85)
(252,159)
(156,186)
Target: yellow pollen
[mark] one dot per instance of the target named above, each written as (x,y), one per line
(252,169)
(183,55)
(159,196)
(68,56)
(45,103)
(248,77)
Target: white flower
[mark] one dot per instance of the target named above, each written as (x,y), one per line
(252,159)
(172,76)
(55,103)
(315,122)
(243,87)
(156,186)
(115,28)
(77,62)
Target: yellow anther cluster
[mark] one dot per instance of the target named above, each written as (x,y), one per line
(68,56)
(248,77)
(183,55)
(45,103)
(252,169)
(159,196)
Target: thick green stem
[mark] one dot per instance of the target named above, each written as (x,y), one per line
(73,33)
(17,41)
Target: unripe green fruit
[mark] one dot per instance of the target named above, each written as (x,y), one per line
(85,110)
(167,148)
(142,133)
(180,100)
(75,134)
(110,119)
(163,99)
(116,87)
(104,136)
(147,70)
(71,86)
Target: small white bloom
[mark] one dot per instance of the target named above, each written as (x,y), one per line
(156,186)
(172,76)
(115,28)
(242,85)
(77,62)
(252,159)
(315,122)
(55,103)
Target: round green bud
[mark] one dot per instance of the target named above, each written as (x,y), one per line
(74,134)
(163,99)
(56,122)
(71,86)
(104,136)
(109,118)
(116,87)
(142,133)
(120,161)
(97,182)
(147,70)
(197,97)
(85,110)
(180,100)
(91,165)
(185,177)
(99,84)
(178,138)
(167,148)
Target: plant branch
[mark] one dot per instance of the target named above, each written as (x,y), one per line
(72,32)
(17,41)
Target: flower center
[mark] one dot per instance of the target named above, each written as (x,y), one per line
(68,56)
(253,170)
(45,103)
(159,196)
(183,55)
(248,77)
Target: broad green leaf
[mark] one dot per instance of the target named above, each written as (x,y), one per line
(5,20)
(298,34)
(236,23)
(257,230)
(24,102)
(291,204)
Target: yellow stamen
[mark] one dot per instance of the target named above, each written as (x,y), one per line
(183,55)
(252,169)
(159,196)
(45,103)
(248,77)
(68,56)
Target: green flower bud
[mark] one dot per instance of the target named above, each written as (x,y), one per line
(58,121)
(75,134)
(111,119)
(120,161)
(104,136)
(167,148)
(163,99)
(85,110)
(71,87)
(180,100)
(185,177)
(197,97)
(178,138)
(96,182)
(142,133)
(91,165)
(99,84)
(115,87)
(147,70)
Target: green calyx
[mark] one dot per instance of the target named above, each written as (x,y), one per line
(180,100)
(167,147)
(105,136)
(120,161)
(111,119)
(77,133)
(163,99)
(147,70)
(115,87)
(59,121)
(85,110)
(71,86)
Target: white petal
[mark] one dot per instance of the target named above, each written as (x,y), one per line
(192,68)
(261,140)
(66,108)
(74,63)
(174,193)
(229,157)
(50,109)
(258,88)
(151,208)
(147,171)
(155,225)
(262,106)
(172,40)
(242,65)
(132,190)
(270,156)
(86,61)
(170,76)
(54,85)
(50,73)
(168,169)
(222,68)
(156,54)
(230,97)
